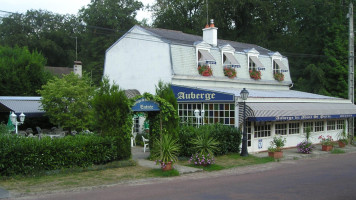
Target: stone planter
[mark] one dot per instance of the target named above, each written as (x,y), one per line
(342,144)
(276,154)
(326,147)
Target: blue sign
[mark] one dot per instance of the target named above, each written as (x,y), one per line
(304,117)
(188,94)
(144,105)
(260,144)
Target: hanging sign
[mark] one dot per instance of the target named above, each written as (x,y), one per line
(187,94)
(144,105)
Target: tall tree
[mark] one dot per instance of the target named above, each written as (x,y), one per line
(51,34)
(22,71)
(66,101)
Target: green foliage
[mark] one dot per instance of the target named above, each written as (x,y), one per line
(112,111)
(4,129)
(161,173)
(160,122)
(22,71)
(227,137)
(166,149)
(308,133)
(20,155)
(204,144)
(277,144)
(337,151)
(67,101)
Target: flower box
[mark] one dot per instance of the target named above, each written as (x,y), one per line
(254,74)
(279,76)
(276,154)
(205,70)
(326,147)
(230,72)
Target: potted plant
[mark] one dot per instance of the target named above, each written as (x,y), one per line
(230,72)
(343,138)
(205,146)
(165,151)
(326,143)
(275,150)
(278,76)
(306,147)
(254,74)
(205,70)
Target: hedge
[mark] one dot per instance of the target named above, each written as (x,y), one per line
(229,138)
(21,155)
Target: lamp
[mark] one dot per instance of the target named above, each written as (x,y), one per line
(196,114)
(14,121)
(244,95)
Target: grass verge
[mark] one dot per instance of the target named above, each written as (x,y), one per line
(337,151)
(230,161)
(160,173)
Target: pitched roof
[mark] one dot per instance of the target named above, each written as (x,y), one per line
(59,71)
(183,38)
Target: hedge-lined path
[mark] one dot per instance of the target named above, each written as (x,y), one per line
(141,158)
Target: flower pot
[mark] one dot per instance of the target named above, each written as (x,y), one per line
(166,166)
(342,144)
(276,154)
(206,73)
(326,147)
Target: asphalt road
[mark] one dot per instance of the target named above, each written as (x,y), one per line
(332,177)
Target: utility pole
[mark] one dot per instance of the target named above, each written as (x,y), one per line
(350,15)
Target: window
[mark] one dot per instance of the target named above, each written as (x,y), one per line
(204,57)
(229,60)
(276,68)
(252,66)
(331,125)
(281,129)
(306,125)
(223,113)
(186,112)
(249,132)
(294,128)
(340,124)
(263,130)
(319,126)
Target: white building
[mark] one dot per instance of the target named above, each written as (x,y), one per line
(143,56)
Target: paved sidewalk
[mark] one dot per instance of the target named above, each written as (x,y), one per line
(293,154)
(141,157)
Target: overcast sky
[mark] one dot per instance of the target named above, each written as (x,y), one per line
(57,6)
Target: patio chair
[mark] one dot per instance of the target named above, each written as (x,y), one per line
(145,143)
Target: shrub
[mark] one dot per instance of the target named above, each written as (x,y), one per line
(305,147)
(228,137)
(205,145)
(277,144)
(20,155)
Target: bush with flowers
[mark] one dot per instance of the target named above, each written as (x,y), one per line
(328,141)
(255,74)
(205,70)
(230,72)
(305,147)
(279,76)
(201,159)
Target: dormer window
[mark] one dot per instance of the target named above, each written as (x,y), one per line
(229,60)
(204,57)
(278,69)
(255,67)
(204,61)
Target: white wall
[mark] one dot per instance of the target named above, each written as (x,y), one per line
(138,61)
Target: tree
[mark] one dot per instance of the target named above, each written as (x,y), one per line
(51,34)
(22,72)
(66,101)
(112,111)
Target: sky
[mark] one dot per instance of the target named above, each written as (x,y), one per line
(59,6)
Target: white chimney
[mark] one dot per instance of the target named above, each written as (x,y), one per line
(210,34)
(78,68)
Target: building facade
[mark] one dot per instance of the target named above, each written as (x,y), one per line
(207,74)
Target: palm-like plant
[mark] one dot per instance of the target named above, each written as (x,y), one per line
(166,149)
(205,144)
